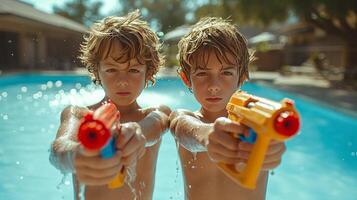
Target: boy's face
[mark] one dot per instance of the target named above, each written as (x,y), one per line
(214,84)
(122,82)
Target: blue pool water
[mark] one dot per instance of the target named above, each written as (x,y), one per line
(320,163)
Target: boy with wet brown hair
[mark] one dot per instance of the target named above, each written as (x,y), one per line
(122,55)
(214,62)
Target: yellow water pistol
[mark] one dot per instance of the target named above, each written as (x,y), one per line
(268,120)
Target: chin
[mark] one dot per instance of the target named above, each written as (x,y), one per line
(214,108)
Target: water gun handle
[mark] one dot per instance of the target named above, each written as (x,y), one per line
(248,175)
(94,134)
(107,152)
(267,120)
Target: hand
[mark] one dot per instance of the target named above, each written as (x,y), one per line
(222,146)
(91,169)
(131,143)
(272,157)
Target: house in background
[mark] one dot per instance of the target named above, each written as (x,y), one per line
(34,40)
(171,40)
(305,41)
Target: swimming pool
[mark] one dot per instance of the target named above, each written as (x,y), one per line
(320,163)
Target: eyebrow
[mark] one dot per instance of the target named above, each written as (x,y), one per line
(228,67)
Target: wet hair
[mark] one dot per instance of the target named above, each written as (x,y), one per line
(134,35)
(218,36)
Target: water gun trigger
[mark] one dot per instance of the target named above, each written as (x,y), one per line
(250,137)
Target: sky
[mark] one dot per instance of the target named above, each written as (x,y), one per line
(46,5)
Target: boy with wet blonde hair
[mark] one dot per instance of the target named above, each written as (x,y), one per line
(122,55)
(214,60)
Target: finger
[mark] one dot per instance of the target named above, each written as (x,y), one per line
(225,139)
(98,162)
(87,180)
(245,146)
(216,157)
(271,165)
(125,135)
(275,148)
(274,157)
(228,125)
(100,173)
(275,142)
(87,153)
(218,148)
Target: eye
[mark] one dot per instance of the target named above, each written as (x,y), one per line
(202,73)
(110,70)
(133,70)
(227,73)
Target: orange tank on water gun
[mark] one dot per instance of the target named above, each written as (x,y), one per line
(94,134)
(268,120)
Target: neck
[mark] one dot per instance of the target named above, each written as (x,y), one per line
(210,117)
(126,109)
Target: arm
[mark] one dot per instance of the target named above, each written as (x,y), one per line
(63,147)
(190,131)
(155,124)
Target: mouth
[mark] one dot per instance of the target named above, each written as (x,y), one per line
(123,93)
(213,99)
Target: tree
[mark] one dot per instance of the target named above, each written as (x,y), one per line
(164,14)
(333,16)
(82,11)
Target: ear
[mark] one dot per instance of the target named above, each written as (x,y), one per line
(185,80)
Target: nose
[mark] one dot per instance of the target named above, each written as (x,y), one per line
(122,81)
(214,88)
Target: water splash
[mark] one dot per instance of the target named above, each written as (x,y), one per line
(130,179)
(81,191)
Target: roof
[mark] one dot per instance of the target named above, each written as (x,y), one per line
(21,9)
(296,28)
(263,37)
(177,33)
